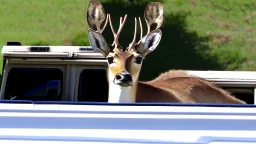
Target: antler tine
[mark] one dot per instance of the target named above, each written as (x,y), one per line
(121,25)
(148,26)
(100,30)
(134,37)
(111,26)
(112,29)
(141,29)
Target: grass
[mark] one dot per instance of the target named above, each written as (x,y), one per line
(197,34)
(230,25)
(50,21)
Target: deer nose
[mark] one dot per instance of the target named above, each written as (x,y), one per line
(124,77)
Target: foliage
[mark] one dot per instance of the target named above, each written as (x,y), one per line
(129,2)
(80,40)
(197,34)
(40,43)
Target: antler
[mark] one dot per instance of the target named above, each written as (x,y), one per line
(121,25)
(96,15)
(134,37)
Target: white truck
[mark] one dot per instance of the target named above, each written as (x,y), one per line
(48,95)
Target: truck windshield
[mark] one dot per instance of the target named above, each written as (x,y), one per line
(34,84)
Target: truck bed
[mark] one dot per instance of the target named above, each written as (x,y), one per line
(81,122)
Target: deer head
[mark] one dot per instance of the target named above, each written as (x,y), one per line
(124,63)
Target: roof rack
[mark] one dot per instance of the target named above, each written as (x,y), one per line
(50,51)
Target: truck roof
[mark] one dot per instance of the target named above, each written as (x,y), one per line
(68,52)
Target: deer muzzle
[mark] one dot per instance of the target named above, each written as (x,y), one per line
(124,79)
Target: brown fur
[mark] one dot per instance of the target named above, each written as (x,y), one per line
(183,89)
(172,74)
(172,86)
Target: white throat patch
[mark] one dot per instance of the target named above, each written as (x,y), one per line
(118,94)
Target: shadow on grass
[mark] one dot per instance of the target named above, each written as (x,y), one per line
(178,49)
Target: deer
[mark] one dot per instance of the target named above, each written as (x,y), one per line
(124,64)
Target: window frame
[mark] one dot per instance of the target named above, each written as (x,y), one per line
(78,71)
(61,67)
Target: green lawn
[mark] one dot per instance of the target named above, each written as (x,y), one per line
(197,35)
(230,24)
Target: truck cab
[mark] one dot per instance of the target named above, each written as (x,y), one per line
(53,73)
(78,73)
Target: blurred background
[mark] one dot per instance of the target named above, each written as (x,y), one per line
(197,34)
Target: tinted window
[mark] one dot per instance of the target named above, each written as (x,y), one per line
(93,85)
(243,93)
(34,84)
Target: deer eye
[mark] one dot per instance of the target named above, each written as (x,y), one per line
(138,60)
(110,60)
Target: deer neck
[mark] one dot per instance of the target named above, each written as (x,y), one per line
(118,94)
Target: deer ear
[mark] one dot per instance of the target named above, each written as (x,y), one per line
(154,13)
(98,42)
(149,42)
(95,14)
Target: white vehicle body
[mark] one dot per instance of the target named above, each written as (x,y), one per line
(70,118)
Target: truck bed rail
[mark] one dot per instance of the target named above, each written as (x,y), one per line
(49,122)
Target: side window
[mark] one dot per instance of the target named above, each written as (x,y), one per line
(34,84)
(244,93)
(93,85)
